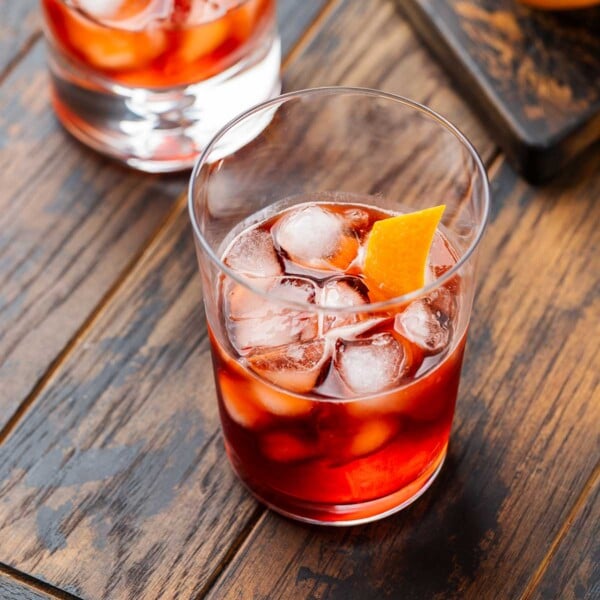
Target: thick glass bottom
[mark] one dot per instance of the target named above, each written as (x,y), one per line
(161,131)
(341,514)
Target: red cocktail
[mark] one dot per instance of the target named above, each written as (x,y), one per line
(150,81)
(157,44)
(338,319)
(333,408)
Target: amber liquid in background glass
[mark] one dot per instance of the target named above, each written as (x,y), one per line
(339,409)
(158,43)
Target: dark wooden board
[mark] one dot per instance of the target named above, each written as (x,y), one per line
(533,76)
(574,570)
(19,26)
(119,462)
(71,222)
(524,441)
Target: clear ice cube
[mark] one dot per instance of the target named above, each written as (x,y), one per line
(342,292)
(345,291)
(100,8)
(295,367)
(253,254)
(371,365)
(254,321)
(314,237)
(357,219)
(425,324)
(284,447)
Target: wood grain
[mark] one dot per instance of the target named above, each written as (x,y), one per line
(19,26)
(574,570)
(71,223)
(294,18)
(120,462)
(130,472)
(524,440)
(532,75)
(12,590)
(368,44)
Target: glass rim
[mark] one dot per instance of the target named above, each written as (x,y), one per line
(325,91)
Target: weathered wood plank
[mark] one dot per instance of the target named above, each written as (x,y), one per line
(525,437)
(293,19)
(368,44)
(120,462)
(19,24)
(574,570)
(71,223)
(12,590)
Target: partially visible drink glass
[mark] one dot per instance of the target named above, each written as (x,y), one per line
(149,82)
(336,398)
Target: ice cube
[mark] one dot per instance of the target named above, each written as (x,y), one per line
(254,321)
(351,331)
(358,220)
(295,367)
(345,291)
(125,14)
(108,48)
(239,402)
(441,256)
(253,253)
(317,238)
(371,365)
(200,40)
(443,301)
(285,447)
(342,292)
(372,435)
(203,11)
(425,325)
(100,8)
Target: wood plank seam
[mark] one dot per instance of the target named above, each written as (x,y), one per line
(32,582)
(30,42)
(55,365)
(310,32)
(232,552)
(578,505)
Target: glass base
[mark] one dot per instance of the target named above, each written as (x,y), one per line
(154,130)
(341,515)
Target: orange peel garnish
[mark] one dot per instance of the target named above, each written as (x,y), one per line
(397,251)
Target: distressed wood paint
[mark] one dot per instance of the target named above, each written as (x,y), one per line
(533,76)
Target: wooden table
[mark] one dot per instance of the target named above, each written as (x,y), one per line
(113,479)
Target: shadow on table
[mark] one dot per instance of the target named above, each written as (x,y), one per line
(433,546)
